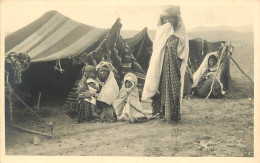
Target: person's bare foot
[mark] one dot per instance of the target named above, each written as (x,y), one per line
(153,116)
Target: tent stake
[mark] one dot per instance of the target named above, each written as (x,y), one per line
(211,87)
(39,99)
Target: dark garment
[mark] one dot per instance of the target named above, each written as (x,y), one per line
(170,81)
(204,85)
(107,112)
(84,113)
(187,90)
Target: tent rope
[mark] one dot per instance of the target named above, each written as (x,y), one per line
(11,92)
(241,69)
(58,67)
(139,51)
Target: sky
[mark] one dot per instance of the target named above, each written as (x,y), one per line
(134,16)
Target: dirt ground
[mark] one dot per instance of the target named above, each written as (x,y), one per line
(219,127)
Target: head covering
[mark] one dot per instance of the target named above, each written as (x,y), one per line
(203,67)
(89,68)
(128,106)
(170,11)
(110,90)
(105,66)
(132,78)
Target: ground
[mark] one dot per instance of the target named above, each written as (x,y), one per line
(215,128)
(219,127)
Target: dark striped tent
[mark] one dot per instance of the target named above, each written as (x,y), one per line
(141,46)
(59,47)
(52,37)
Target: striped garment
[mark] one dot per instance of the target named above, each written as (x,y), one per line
(170,81)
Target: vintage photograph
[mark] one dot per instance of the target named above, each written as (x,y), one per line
(150,79)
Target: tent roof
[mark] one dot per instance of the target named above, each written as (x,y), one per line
(139,38)
(53,36)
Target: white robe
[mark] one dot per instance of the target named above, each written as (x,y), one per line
(109,91)
(127,106)
(153,75)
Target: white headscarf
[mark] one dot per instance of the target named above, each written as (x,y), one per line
(127,106)
(155,67)
(202,69)
(110,90)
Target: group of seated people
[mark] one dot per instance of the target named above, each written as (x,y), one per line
(100,98)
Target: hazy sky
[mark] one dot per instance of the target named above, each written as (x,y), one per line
(135,15)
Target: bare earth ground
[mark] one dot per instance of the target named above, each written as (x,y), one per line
(216,128)
(220,127)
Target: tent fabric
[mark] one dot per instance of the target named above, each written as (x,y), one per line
(198,49)
(53,37)
(59,47)
(141,45)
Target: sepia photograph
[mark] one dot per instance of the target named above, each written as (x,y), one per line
(121,78)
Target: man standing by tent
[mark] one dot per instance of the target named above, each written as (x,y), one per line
(168,64)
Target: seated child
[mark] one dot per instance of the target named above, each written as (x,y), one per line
(128,106)
(88,87)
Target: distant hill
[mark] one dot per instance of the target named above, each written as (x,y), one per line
(244,28)
(219,33)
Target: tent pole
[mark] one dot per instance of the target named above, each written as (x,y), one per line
(9,97)
(30,131)
(211,87)
(10,106)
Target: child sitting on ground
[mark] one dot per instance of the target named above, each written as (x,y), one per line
(128,106)
(89,85)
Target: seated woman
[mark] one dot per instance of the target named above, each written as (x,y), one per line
(87,93)
(109,91)
(127,106)
(203,78)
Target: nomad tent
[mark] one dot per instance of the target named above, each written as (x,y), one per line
(141,46)
(199,48)
(48,54)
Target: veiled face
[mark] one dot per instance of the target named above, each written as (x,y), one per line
(103,74)
(171,19)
